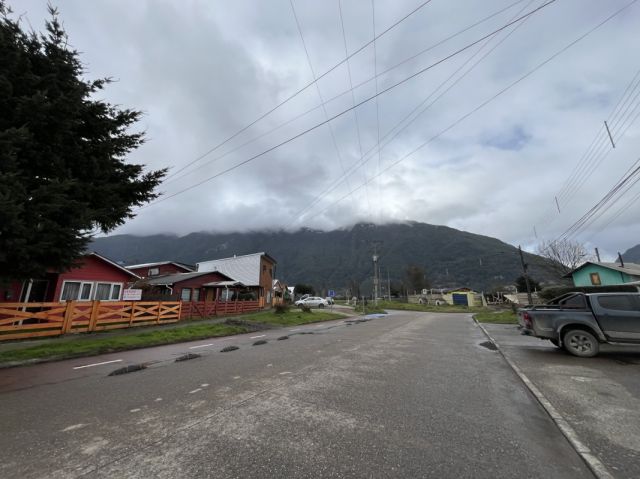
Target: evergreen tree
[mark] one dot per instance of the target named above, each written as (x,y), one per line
(63,169)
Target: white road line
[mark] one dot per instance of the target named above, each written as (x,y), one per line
(195,391)
(135,410)
(202,346)
(285,372)
(98,364)
(256,337)
(292,330)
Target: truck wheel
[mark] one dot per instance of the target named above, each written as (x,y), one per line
(581,343)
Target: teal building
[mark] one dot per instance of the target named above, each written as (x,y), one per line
(605,274)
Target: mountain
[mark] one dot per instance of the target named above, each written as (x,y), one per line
(632,255)
(334,259)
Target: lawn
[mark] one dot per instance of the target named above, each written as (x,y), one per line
(502,317)
(430,308)
(85,345)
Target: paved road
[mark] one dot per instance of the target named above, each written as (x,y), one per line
(409,395)
(600,397)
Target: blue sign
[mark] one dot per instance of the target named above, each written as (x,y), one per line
(332,293)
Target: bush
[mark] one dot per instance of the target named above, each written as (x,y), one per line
(305,309)
(281,308)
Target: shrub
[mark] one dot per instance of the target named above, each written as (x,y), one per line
(281,308)
(305,309)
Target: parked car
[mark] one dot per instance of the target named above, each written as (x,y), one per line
(312,302)
(580,322)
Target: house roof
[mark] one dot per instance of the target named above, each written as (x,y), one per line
(245,268)
(178,277)
(112,263)
(159,263)
(224,283)
(629,268)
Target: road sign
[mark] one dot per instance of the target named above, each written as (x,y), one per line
(331,293)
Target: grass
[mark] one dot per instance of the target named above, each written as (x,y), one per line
(502,317)
(85,345)
(430,308)
(292,318)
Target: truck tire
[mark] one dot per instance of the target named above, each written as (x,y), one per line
(580,342)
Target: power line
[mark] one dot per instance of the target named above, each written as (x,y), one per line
(382,92)
(492,98)
(386,142)
(296,93)
(171,178)
(375,74)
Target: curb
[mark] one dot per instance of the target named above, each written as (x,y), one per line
(593,463)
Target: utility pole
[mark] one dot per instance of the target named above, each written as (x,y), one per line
(375,276)
(526,276)
(598,255)
(388,285)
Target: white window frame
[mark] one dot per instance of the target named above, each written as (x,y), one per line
(82,283)
(111,285)
(153,272)
(182,294)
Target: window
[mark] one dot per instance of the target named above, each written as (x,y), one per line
(264,267)
(107,291)
(154,271)
(76,291)
(595,279)
(576,302)
(270,271)
(617,302)
(195,295)
(85,294)
(186,294)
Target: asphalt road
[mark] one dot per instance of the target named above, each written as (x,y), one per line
(408,395)
(599,397)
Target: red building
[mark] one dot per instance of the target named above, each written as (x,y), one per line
(94,277)
(150,270)
(194,286)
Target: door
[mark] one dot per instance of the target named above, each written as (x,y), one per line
(619,316)
(461,299)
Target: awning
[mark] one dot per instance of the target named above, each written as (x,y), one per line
(223,284)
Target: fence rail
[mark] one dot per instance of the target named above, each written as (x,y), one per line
(34,320)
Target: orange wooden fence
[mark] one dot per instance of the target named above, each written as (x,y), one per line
(33,320)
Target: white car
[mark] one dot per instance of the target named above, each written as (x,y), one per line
(312,302)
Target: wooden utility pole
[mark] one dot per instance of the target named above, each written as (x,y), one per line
(526,276)
(598,255)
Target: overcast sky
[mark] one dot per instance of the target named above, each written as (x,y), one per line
(203,70)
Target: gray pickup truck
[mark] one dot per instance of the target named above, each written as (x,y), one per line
(580,322)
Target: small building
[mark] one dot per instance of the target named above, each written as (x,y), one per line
(193,286)
(94,277)
(161,268)
(594,273)
(280,292)
(255,271)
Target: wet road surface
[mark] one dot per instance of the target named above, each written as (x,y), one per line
(407,395)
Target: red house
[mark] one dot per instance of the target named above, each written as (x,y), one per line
(94,278)
(194,286)
(161,268)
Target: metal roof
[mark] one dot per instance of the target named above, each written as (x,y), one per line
(628,268)
(224,283)
(176,278)
(159,263)
(245,268)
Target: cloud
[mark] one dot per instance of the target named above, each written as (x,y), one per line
(202,71)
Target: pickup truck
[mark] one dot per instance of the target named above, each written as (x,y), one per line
(580,322)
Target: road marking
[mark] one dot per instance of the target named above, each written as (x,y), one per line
(75,426)
(204,385)
(269,365)
(202,346)
(292,330)
(236,377)
(285,372)
(158,399)
(98,364)
(135,410)
(256,337)
(195,391)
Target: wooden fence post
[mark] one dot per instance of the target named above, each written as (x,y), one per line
(93,320)
(68,317)
(159,312)
(180,311)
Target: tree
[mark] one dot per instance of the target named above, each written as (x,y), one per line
(301,288)
(63,169)
(521,284)
(416,278)
(564,256)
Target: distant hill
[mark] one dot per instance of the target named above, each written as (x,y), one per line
(632,254)
(334,259)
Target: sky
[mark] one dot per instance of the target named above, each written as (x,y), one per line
(452,152)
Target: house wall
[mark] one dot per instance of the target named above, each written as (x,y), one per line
(162,270)
(93,270)
(10,292)
(608,276)
(266,278)
(196,283)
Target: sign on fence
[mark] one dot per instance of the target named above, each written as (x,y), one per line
(131,295)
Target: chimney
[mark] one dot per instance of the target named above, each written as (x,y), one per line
(620,258)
